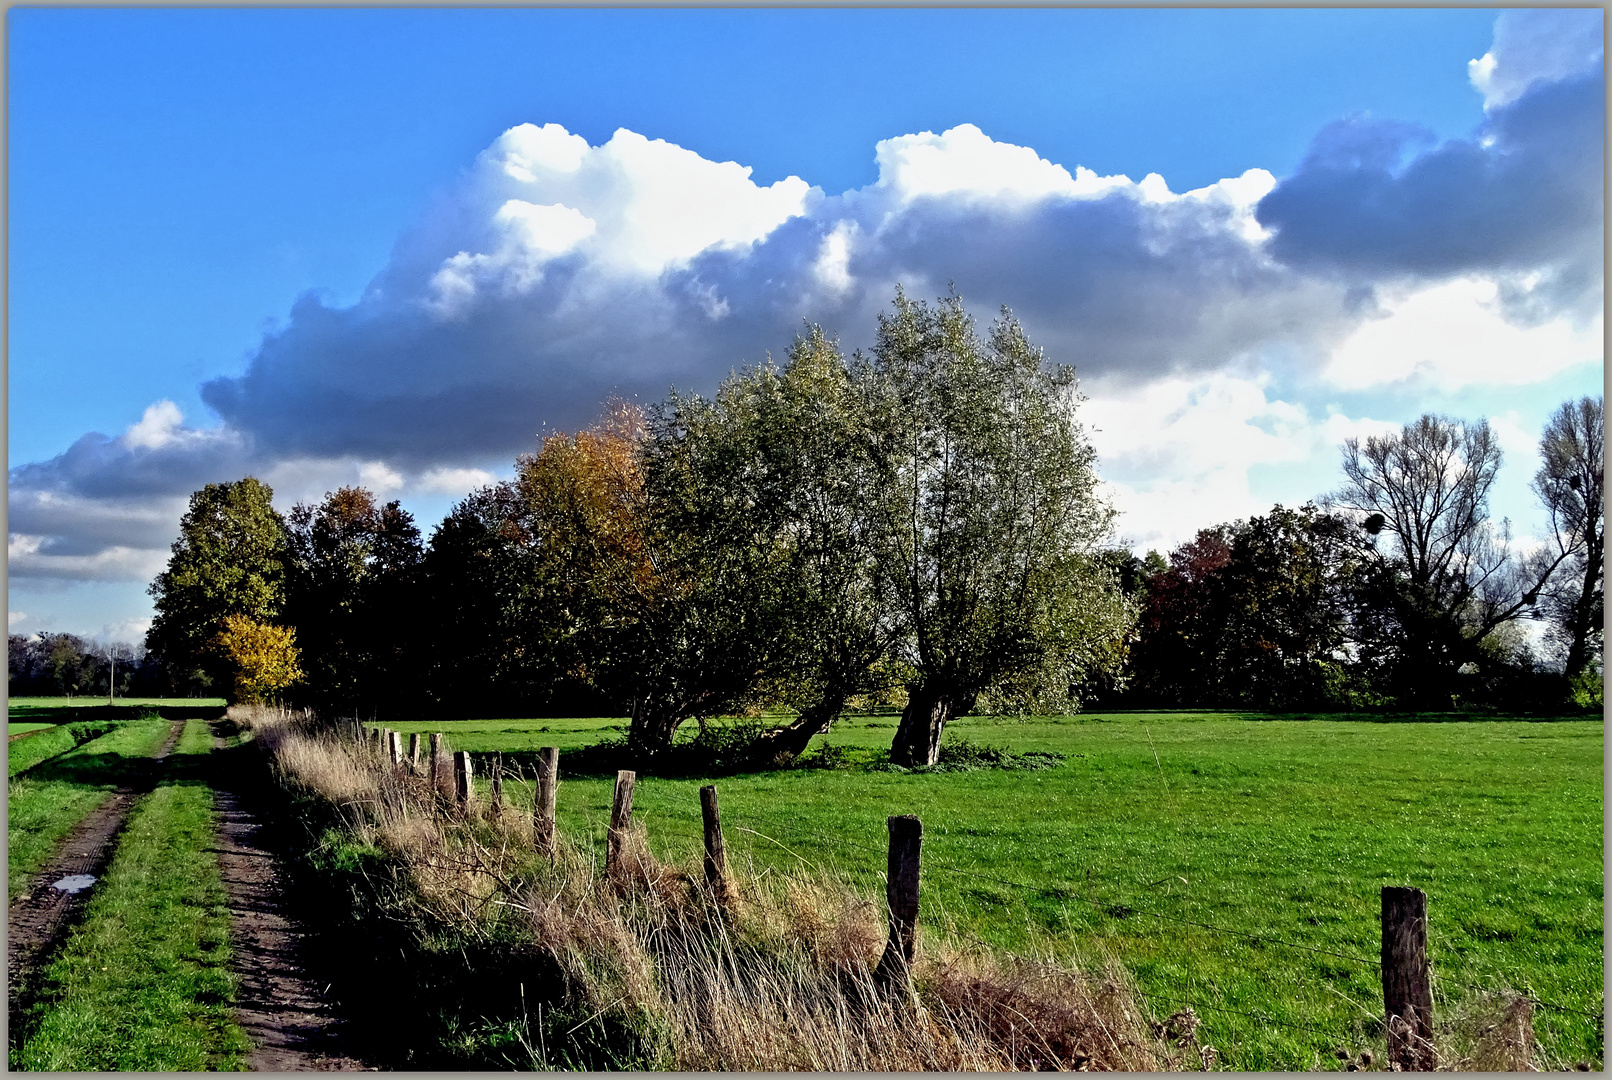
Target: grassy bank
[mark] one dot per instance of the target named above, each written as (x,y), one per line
(44,803)
(143,983)
(456,944)
(52,740)
(1279,832)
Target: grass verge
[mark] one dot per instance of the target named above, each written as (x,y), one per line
(47,801)
(456,944)
(24,754)
(143,983)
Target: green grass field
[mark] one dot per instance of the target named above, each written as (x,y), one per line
(1277,827)
(23,705)
(53,796)
(143,983)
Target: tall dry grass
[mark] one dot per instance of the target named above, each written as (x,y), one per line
(777,977)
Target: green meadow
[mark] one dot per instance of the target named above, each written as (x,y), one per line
(1232,862)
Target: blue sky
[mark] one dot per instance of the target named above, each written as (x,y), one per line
(321,246)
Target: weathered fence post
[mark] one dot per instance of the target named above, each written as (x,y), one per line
(620,820)
(901,890)
(463,790)
(414,751)
(380,740)
(441,766)
(495,773)
(1407,991)
(548,783)
(716,854)
(394,747)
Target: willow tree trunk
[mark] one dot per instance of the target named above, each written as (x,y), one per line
(651,730)
(928,711)
(780,746)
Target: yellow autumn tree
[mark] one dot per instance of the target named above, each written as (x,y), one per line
(262,656)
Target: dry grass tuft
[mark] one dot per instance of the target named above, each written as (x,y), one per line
(1493,1032)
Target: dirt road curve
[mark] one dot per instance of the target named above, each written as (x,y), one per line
(282,1012)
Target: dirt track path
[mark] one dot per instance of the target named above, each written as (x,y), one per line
(40,918)
(290,1024)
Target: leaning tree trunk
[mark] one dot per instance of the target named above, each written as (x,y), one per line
(928,711)
(780,746)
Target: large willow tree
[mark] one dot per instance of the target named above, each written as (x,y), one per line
(992,515)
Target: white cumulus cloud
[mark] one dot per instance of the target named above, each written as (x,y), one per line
(1455,334)
(1532,45)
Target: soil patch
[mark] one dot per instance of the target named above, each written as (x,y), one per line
(291,1024)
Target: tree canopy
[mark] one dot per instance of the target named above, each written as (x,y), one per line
(229,559)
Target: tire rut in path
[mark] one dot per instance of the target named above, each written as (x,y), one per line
(291,1025)
(40,918)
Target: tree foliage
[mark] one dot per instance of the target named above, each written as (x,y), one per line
(1254,614)
(229,559)
(260,658)
(351,563)
(988,539)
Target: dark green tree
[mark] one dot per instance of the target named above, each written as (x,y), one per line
(988,538)
(487,646)
(1174,661)
(352,566)
(1284,612)
(777,469)
(230,559)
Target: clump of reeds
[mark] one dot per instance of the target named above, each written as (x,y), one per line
(776,973)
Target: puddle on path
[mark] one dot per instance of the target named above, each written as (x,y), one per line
(75,883)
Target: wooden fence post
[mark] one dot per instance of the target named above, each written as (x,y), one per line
(716,853)
(1407,991)
(394,747)
(620,820)
(495,773)
(548,783)
(441,766)
(414,751)
(463,790)
(901,890)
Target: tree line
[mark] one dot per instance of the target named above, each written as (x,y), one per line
(66,665)
(917,526)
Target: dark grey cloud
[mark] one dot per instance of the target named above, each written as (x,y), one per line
(1522,197)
